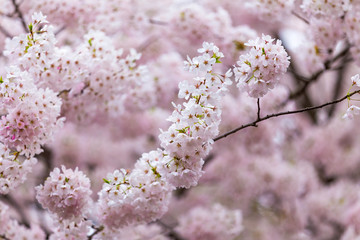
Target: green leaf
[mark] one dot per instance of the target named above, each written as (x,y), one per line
(30,27)
(106,181)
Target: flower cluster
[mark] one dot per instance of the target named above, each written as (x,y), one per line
(71,229)
(195,123)
(353,110)
(66,193)
(31,113)
(94,72)
(137,197)
(4,217)
(197,24)
(13,169)
(148,231)
(332,8)
(109,81)
(35,51)
(14,230)
(262,67)
(11,229)
(65,12)
(327,33)
(213,223)
(352,29)
(271,10)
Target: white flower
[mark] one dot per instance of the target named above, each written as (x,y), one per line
(38,17)
(351,111)
(356,80)
(262,67)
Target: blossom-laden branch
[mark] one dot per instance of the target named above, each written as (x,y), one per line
(254,123)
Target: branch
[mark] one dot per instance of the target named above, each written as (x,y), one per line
(97,230)
(60,30)
(258,107)
(253,124)
(316,75)
(19,13)
(3,237)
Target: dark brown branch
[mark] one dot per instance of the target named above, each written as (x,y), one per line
(315,76)
(253,124)
(3,237)
(258,108)
(97,230)
(20,15)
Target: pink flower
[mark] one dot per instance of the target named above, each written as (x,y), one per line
(65,194)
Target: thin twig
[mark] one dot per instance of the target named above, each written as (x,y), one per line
(300,17)
(252,124)
(60,30)
(158,22)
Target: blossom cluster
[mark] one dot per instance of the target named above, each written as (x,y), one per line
(94,72)
(271,10)
(112,83)
(114,73)
(333,8)
(30,118)
(214,223)
(13,169)
(137,197)
(188,139)
(142,195)
(353,109)
(31,113)
(262,67)
(66,193)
